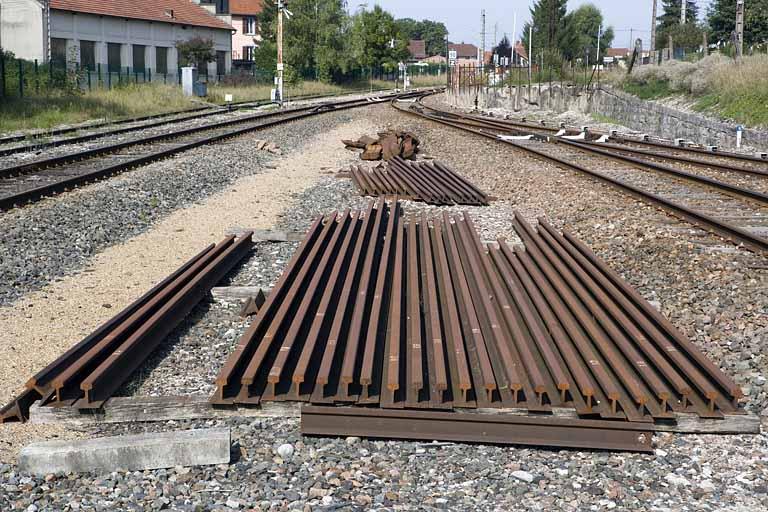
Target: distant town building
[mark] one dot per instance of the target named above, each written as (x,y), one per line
(466,54)
(246,37)
(136,36)
(520,55)
(618,53)
(417,50)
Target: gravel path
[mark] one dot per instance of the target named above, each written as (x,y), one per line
(716,293)
(687,473)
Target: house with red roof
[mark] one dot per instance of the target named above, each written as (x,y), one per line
(137,37)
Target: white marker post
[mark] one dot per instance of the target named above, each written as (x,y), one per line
(739,133)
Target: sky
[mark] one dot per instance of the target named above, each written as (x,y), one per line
(629,18)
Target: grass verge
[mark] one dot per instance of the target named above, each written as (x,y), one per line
(56,107)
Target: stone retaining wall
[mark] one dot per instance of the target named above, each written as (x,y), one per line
(632,112)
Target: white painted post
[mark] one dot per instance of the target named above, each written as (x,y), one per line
(188,80)
(739,134)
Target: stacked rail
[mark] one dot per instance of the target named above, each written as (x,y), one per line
(376,309)
(430,182)
(90,372)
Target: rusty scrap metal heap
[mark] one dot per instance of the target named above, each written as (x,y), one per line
(87,375)
(387,311)
(388,145)
(428,181)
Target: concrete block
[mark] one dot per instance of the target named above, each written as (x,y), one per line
(129,452)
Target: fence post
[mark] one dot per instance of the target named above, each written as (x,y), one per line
(109,79)
(87,70)
(37,78)
(2,74)
(98,74)
(21,78)
(150,75)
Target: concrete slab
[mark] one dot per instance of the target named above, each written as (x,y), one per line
(129,452)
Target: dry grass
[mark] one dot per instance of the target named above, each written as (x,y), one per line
(56,107)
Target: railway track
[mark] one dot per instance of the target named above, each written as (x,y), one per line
(41,140)
(31,181)
(643,142)
(735,209)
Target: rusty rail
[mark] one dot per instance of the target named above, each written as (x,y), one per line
(376,308)
(475,428)
(91,371)
(430,182)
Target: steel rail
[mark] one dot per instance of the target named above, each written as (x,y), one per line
(430,182)
(612,151)
(28,167)
(688,149)
(378,308)
(681,159)
(219,109)
(10,201)
(87,374)
(728,231)
(475,428)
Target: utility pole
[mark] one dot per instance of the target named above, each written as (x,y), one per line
(599,37)
(653,28)
(683,10)
(482,47)
(739,28)
(280,65)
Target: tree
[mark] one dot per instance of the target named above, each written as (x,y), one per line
(431,32)
(549,28)
(688,37)
(672,11)
(375,40)
(313,39)
(722,21)
(196,51)
(583,26)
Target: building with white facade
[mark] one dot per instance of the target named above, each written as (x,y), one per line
(131,36)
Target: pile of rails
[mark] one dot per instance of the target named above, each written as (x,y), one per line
(87,375)
(378,310)
(388,145)
(431,182)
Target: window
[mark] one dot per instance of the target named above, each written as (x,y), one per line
(248,52)
(138,58)
(221,63)
(113,57)
(161,60)
(58,51)
(249,25)
(88,55)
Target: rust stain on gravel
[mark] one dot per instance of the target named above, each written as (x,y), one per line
(43,324)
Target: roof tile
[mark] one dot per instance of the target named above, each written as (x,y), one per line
(184,11)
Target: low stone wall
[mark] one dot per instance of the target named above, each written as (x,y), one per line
(644,116)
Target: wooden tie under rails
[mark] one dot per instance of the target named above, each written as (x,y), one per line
(379,309)
(87,375)
(427,181)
